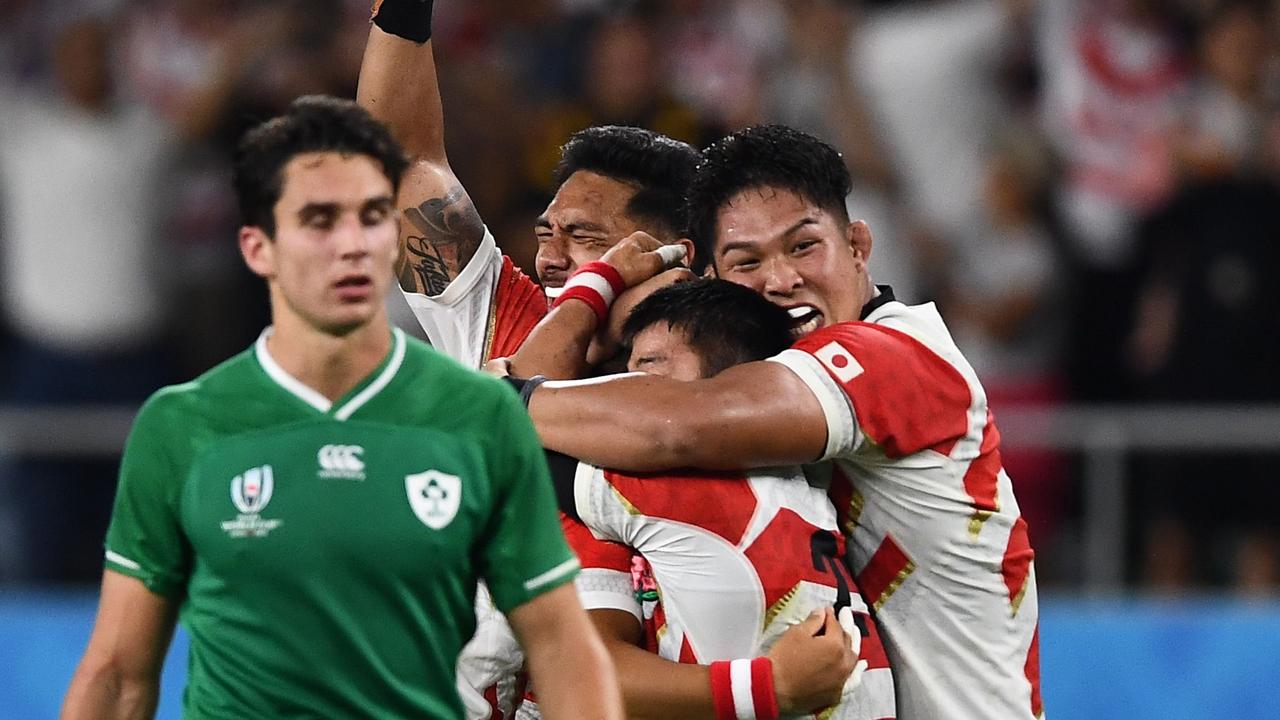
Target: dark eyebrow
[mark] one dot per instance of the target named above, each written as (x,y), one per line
(747,245)
(311,210)
(542,222)
(381,202)
(801,224)
(571,228)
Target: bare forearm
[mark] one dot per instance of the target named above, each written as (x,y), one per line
(661,689)
(103,693)
(576,682)
(398,85)
(557,347)
(754,415)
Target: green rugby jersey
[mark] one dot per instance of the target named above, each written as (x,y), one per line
(326,554)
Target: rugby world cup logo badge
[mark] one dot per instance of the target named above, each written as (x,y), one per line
(250,493)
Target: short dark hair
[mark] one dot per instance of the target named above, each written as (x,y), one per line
(315,123)
(725,323)
(758,157)
(659,167)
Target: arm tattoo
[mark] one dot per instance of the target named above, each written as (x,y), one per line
(445,233)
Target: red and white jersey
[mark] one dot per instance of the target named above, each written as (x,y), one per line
(935,537)
(486,312)
(490,681)
(737,560)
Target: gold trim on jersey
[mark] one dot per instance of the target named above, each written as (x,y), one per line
(893,586)
(1016,603)
(856,504)
(626,504)
(773,610)
(977,521)
(491,328)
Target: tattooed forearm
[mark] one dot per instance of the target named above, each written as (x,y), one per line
(441,237)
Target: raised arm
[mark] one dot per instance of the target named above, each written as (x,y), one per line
(119,675)
(753,415)
(398,85)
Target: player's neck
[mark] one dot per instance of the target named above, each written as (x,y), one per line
(329,364)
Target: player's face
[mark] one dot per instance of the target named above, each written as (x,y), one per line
(587,216)
(330,262)
(660,350)
(796,254)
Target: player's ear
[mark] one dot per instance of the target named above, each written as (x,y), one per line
(690,252)
(258,251)
(860,239)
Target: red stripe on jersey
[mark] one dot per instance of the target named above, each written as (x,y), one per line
(982,478)
(846,499)
(687,655)
(491,697)
(683,498)
(518,305)
(1017,562)
(907,398)
(783,555)
(888,567)
(593,552)
(873,646)
(653,627)
(1032,671)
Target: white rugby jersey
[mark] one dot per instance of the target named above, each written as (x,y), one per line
(486,312)
(737,559)
(938,546)
(489,669)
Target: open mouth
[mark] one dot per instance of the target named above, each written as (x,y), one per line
(804,319)
(354,285)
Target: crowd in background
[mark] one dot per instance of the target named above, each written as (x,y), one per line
(1089,189)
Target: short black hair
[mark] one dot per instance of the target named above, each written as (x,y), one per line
(659,167)
(758,157)
(314,123)
(725,323)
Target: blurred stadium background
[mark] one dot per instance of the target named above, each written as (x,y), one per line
(1089,189)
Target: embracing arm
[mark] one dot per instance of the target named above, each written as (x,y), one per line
(572,338)
(441,229)
(567,661)
(811,664)
(753,415)
(119,675)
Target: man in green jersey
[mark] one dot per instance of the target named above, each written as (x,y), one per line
(319,508)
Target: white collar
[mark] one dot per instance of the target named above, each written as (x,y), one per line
(312,397)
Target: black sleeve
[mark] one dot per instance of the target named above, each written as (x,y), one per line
(563,470)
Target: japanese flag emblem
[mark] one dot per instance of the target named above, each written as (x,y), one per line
(434,497)
(839,361)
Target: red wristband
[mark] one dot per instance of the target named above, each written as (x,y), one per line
(596,284)
(743,690)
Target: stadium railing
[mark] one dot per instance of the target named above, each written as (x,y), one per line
(1103,435)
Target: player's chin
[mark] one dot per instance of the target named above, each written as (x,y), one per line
(351,317)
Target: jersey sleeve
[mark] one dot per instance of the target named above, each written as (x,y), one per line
(145,539)
(605,580)
(525,553)
(457,320)
(881,385)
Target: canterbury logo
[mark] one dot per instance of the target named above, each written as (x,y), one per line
(341,461)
